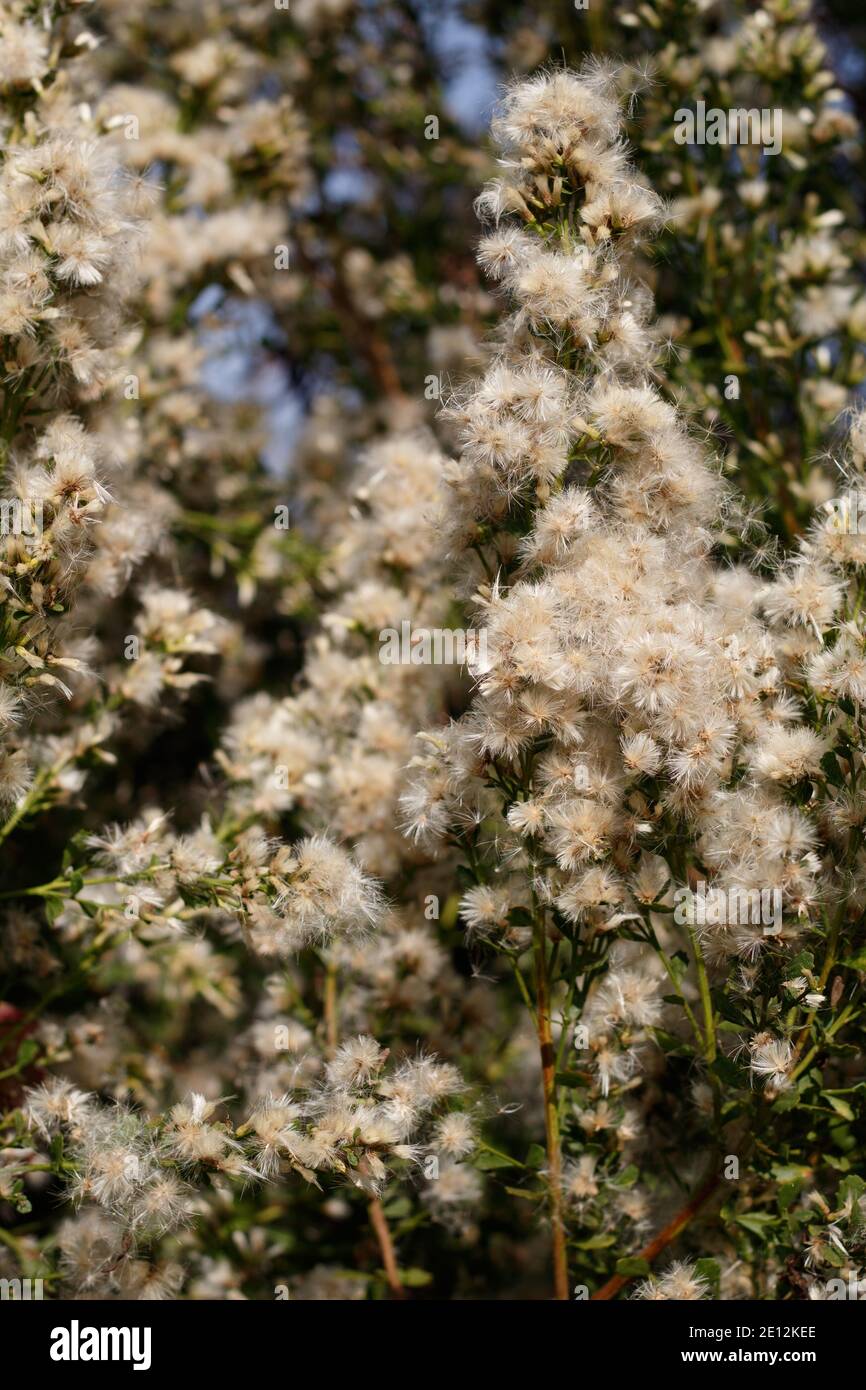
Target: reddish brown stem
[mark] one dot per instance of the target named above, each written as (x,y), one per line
(332,1027)
(378,1219)
(379,1222)
(664,1237)
(368,341)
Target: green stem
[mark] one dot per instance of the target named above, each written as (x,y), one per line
(706,1000)
(551,1107)
(49,889)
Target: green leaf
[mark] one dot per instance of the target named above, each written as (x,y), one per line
(668,1043)
(536,1157)
(415,1278)
(709,1269)
(571,1079)
(486,1161)
(791,1172)
(633,1266)
(53,908)
(832,771)
(840,1106)
(756,1221)
(729,1010)
(520,917)
(450,912)
(788,1193)
(627,1178)
(833,1256)
(679,963)
(787,1099)
(400,1207)
(841,1165)
(599,1242)
(27,1050)
(850,1188)
(801,962)
(728,1071)
(842,1138)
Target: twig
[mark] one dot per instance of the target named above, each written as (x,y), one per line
(664,1238)
(331,1020)
(379,1222)
(551,1112)
(375,350)
(375,1210)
